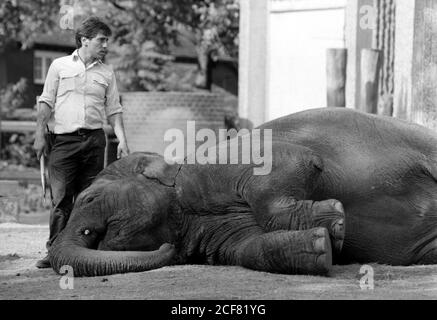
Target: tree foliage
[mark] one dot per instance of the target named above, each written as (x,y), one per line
(22,20)
(215,24)
(212,22)
(143,30)
(13,97)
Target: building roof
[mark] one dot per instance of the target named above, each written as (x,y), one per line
(62,39)
(186,47)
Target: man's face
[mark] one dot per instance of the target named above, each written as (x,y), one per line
(97,47)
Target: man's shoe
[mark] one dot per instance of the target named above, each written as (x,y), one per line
(43,263)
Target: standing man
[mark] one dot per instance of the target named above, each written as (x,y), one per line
(80,90)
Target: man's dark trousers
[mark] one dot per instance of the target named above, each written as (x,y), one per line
(75,160)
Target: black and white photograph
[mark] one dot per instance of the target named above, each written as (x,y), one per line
(219,155)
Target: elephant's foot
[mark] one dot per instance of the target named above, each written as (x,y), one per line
(291,252)
(330,215)
(321,251)
(308,252)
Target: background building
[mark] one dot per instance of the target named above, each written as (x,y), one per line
(283,47)
(32,64)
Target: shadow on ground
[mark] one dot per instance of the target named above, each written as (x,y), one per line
(21,246)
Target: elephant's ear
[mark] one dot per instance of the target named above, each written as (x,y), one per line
(156,168)
(150,165)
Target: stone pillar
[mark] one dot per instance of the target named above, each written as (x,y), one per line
(253,60)
(416,62)
(336,60)
(384,41)
(403,93)
(370,70)
(424,107)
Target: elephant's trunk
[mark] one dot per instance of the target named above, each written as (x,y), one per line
(88,262)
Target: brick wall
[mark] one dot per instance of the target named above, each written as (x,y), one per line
(147,116)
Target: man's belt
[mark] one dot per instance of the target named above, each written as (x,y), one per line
(80,132)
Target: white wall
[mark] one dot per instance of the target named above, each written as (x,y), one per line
(298,36)
(252,92)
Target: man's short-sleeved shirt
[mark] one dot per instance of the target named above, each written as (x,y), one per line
(80,97)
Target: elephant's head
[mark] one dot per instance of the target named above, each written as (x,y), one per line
(121,223)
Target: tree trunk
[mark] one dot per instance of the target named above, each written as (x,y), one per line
(203,57)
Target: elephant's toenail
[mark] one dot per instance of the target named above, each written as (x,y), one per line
(338,228)
(338,245)
(324,263)
(320,232)
(320,244)
(339,207)
(321,261)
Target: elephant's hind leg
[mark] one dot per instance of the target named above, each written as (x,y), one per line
(290,252)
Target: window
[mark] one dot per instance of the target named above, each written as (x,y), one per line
(41,63)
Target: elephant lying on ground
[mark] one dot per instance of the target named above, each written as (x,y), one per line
(344,187)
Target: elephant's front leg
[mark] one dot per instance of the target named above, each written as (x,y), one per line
(281,199)
(291,252)
(287,213)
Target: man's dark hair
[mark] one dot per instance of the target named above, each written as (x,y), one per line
(90,28)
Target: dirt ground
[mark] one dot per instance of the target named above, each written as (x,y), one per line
(22,245)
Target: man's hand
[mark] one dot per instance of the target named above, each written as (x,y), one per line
(116,122)
(43,116)
(122,150)
(40,146)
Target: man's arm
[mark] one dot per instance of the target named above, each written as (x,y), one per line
(46,104)
(116,121)
(114,113)
(43,117)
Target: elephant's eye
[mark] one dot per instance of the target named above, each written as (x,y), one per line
(88,200)
(86,232)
